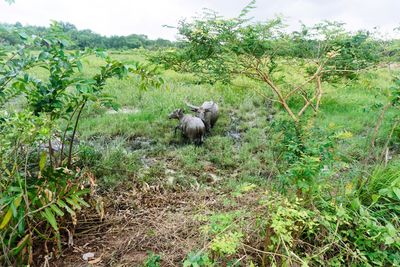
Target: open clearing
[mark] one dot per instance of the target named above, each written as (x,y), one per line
(159,193)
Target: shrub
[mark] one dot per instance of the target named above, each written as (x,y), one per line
(40,186)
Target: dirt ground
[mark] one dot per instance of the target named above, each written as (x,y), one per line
(136,223)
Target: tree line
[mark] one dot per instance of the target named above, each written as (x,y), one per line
(81,38)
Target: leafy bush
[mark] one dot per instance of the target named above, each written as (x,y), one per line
(355,51)
(197,259)
(219,49)
(153,260)
(343,233)
(40,187)
(226,244)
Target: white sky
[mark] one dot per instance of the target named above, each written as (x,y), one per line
(123,17)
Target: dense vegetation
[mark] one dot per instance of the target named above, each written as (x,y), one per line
(303,166)
(81,39)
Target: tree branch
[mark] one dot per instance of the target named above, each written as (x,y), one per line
(73,134)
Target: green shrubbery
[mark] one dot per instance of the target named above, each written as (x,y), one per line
(333,230)
(82,38)
(307,189)
(41,187)
(322,214)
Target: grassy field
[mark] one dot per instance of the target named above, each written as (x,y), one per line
(171,198)
(301,169)
(240,140)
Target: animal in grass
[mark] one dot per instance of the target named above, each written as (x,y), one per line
(192,127)
(207,112)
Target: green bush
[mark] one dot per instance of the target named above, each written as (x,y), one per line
(42,188)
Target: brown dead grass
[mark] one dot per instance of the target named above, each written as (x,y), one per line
(135,223)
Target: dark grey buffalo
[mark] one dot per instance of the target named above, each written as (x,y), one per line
(207,112)
(192,127)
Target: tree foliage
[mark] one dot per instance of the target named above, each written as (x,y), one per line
(82,39)
(40,187)
(219,49)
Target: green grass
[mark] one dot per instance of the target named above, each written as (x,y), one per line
(239,146)
(241,160)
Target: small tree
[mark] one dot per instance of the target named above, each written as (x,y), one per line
(39,190)
(216,49)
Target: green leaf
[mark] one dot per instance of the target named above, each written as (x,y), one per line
(375,198)
(80,200)
(69,210)
(83,192)
(23,35)
(26,77)
(7,217)
(43,55)
(21,225)
(79,66)
(73,203)
(61,203)
(391,230)
(356,204)
(14,189)
(14,210)
(396,190)
(5,200)
(21,244)
(57,210)
(64,42)
(48,214)
(42,161)
(389,240)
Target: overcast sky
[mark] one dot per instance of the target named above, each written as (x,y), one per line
(123,17)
